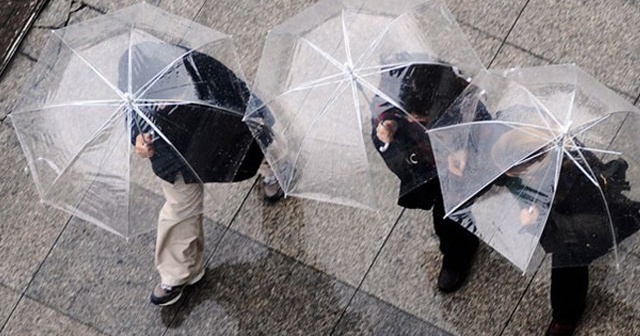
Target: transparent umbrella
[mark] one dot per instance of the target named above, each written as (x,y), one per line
(556,166)
(322,73)
(101,83)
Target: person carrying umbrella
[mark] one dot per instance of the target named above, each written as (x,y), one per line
(188,143)
(425,91)
(577,230)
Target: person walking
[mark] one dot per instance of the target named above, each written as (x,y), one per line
(425,91)
(188,144)
(577,230)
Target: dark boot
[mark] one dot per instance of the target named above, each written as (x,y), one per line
(569,286)
(453,274)
(560,329)
(458,247)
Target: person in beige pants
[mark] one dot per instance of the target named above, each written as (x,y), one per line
(179,252)
(194,135)
(180,235)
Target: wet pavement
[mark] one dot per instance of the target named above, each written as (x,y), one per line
(298,267)
(16,17)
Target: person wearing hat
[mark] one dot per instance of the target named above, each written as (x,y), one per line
(577,230)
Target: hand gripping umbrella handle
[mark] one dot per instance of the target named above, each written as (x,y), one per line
(384,147)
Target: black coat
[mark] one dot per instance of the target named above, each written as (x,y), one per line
(428,89)
(212,143)
(578,229)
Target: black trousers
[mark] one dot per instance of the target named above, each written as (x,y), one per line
(457,244)
(569,286)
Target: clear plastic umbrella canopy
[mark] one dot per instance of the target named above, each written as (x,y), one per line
(322,72)
(100,83)
(552,166)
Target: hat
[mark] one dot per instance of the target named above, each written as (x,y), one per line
(528,143)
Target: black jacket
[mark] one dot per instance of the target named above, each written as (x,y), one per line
(210,142)
(578,229)
(428,89)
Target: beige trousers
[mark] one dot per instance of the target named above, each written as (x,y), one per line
(180,239)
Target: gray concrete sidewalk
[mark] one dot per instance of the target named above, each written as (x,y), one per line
(17,18)
(299,267)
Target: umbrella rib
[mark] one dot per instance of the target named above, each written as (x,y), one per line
(321,82)
(573,98)
(129,90)
(345,36)
(130,61)
(324,54)
(604,198)
(593,123)
(382,95)
(173,102)
(543,107)
(490,180)
(314,83)
(365,55)
(75,103)
(515,124)
(543,179)
(465,200)
(84,145)
(375,70)
(581,168)
(596,150)
(354,93)
(166,140)
(333,79)
(146,87)
(334,92)
(321,114)
(97,72)
(538,104)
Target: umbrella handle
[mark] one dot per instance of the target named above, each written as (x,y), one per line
(384,148)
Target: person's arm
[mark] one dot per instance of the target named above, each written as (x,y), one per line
(143,146)
(457,160)
(388,130)
(529,216)
(141,136)
(531,201)
(385,124)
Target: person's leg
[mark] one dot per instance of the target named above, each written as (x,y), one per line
(180,240)
(270,185)
(569,287)
(458,246)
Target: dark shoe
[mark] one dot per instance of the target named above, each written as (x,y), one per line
(452,277)
(271,189)
(560,329)
(165,295)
